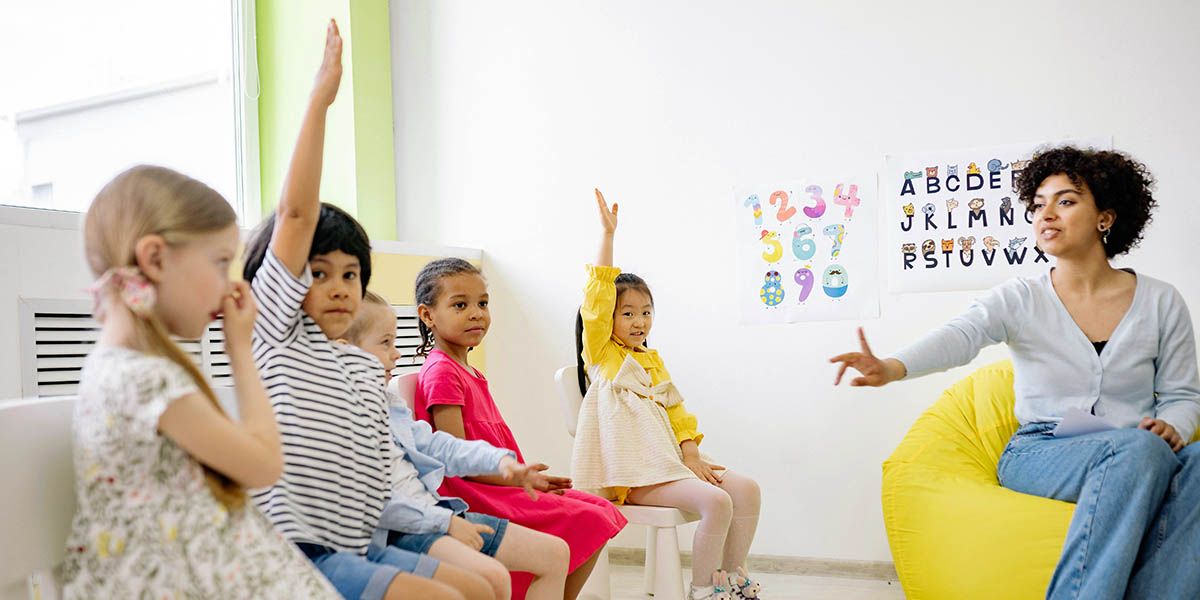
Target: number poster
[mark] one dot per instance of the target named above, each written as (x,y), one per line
(806,250)
(953,220)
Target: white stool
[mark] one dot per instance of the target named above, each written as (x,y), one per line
(663,576)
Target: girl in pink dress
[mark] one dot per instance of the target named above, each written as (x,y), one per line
(453,396)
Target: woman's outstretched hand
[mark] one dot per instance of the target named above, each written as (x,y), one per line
(874,372)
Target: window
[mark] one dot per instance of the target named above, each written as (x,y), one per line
(92,88)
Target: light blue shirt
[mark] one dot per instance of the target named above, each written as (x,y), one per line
(1147,368)
(436,455)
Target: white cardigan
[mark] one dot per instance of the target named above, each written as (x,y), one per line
(1147,368)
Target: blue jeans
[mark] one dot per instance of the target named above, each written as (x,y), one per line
(358,577)
(420,542)
(1136,528)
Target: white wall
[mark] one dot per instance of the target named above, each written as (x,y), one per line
(507,114)
(36,262)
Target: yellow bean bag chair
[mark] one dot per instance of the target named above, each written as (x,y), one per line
(953,531)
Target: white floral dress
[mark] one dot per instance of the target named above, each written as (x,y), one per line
(146,525)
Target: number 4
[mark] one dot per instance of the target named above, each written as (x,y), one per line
(850,201)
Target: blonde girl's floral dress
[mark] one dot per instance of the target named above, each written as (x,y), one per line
(146,525)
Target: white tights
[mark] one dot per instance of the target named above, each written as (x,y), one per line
(728,518)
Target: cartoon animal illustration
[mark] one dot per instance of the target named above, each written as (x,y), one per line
(802,246)
(771,293)
(1005,204)
(774,250)
(951,204)
(951,170)
(990,243)
(972,169)
(994,166)
(908,248)
(928,209)
(1019,165)
(966,243)
(741,583)
(835,280)
(908,209)
(805,278)
(837,231)
(753,201)
(1015,243)
(927,247)
(931,171)
(721,587)
(976,206)
(948,245)
(912,174)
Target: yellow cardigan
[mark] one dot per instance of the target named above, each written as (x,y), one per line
(602,348)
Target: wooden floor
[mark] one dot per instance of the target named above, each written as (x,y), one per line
(626,582)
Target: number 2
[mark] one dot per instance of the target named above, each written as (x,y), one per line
(785,213)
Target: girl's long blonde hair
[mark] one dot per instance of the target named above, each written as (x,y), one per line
(149,200)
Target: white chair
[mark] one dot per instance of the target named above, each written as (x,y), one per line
(663,577)
(37,496)
(405,387)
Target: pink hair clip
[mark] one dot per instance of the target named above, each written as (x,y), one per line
(137,293)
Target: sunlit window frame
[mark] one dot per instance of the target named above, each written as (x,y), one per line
(246,88)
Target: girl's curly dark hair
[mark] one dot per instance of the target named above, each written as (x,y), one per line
(1117,181)
(429,287)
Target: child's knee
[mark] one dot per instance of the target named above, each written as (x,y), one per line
(717,505)
(497,578)
(560,555)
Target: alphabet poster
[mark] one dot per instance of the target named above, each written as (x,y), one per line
(954,222)
(807,251)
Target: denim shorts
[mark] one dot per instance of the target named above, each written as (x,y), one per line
(420,542)
(367,577)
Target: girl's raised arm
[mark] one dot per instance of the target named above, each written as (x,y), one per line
(608,220)
(300,204)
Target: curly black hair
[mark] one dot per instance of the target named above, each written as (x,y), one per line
(336,230)
(1117,181)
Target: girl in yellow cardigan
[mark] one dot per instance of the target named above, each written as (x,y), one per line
(635,442)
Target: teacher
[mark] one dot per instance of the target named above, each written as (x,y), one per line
(1112,342)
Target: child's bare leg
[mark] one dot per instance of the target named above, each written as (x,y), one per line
(542,554)
(578,577)
(406,586)
(464,581)
(453,553)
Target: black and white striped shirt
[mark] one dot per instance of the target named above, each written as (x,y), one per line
(331,408)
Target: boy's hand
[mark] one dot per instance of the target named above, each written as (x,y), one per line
(520,474)
(608,218)
(467,532)
(329,76)
(238,311)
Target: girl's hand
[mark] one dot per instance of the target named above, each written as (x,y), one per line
(467,532)
(704,470)
(551,484)
(1165,431)
(874,372)
(330,74)
(238,310)
(521,475)
(608,218)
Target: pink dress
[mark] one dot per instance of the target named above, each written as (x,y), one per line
(584,521)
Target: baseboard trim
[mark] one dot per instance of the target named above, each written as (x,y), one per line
(788,565)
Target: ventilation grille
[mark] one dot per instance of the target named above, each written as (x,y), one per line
(57,335)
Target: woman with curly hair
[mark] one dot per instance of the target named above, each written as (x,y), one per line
(1113,342)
